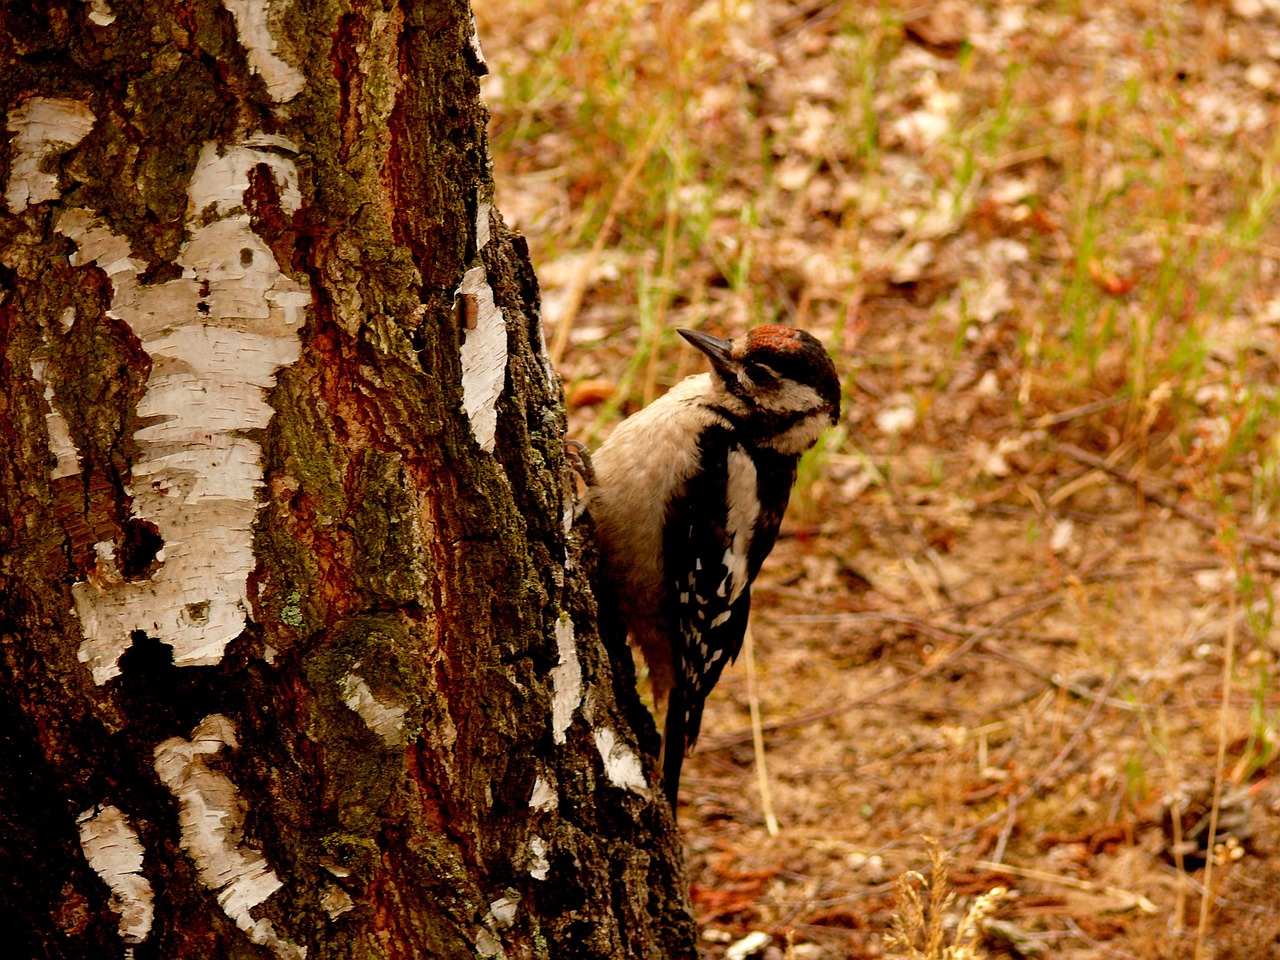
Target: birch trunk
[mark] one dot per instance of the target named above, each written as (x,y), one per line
(298,653)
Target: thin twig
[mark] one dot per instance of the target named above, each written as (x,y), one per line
(959,839)
(1200,635)
(1219,773)
(998,854)
(1089,460)
(900,506)
(1057,681)
(1107,576)
(947,630)
(573,298)
(1074,883)
(1101,949)
(741,736)
(1056,419)
(1258,909)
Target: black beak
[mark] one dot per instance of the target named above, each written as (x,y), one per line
(716,349)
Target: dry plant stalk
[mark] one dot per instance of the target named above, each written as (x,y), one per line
(1219,774)
(757,736)
(919,929)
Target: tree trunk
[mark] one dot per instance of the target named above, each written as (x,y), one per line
(299,654)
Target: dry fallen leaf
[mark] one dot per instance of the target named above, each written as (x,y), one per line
(942,29)
(587,393)
(1109,282)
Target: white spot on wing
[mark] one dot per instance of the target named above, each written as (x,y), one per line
(484,358)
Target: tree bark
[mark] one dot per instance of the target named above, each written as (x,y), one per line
(299,653)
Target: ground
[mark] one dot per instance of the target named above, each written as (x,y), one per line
(1023,599)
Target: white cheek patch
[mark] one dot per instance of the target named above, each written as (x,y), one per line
(800,437)
(790,396)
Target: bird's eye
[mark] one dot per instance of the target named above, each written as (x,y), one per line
(759,374)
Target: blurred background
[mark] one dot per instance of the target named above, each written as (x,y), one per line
(1022,602)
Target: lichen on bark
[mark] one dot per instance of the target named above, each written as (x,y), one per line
(375,727)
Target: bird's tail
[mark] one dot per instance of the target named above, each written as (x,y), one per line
(674,741)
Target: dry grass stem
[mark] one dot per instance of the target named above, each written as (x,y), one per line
(757,736)
(919,926)
(1043,244)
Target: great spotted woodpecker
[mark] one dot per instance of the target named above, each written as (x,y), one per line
(687,497)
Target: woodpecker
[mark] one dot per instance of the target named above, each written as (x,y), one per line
(687,497)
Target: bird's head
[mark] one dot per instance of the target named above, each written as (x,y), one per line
(777,381)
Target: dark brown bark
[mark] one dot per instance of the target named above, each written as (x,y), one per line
(380,733)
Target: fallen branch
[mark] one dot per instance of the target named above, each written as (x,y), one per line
(1097,463)
(964,836)
(742,736)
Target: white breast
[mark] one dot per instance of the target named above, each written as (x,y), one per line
(646,459)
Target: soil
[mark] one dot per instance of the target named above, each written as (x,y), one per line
(1022,603)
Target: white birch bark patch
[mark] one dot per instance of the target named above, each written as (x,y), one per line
(42,127)
(383,717)
(539,865)
(544,796)
(335,902)
(217,336)
(484,356)
(475,42)
(100,13)
(483,210)
(504,911)
(621,764)
(253,25)
(60,442)
(115,853)
(566,680)
(487,944)
(211,827)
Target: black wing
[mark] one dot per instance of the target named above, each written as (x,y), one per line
(712,557)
